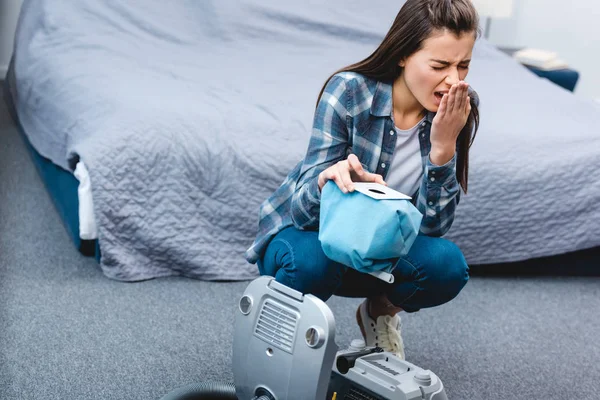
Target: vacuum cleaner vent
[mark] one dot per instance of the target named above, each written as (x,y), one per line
(382,365)
(357,394)
(277,325)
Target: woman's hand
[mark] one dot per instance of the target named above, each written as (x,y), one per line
(450,119)
(345,172)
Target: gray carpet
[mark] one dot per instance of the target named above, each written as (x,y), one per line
(67,332)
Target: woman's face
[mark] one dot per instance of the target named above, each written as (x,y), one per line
(442,61)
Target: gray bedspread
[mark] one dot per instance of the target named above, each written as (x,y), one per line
(188,114)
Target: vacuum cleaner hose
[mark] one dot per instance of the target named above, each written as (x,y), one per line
(203,391)
(207,391)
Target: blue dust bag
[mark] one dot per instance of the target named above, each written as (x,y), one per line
(368,228)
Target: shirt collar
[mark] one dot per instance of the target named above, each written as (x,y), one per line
(382,102)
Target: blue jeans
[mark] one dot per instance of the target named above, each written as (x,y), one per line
(432,273)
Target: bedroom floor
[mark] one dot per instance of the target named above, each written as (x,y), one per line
(67,332)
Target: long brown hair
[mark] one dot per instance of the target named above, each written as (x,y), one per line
(415,22)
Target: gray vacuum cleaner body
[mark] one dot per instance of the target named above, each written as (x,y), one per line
(284,348)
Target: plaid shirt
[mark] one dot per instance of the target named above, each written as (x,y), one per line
(354,115)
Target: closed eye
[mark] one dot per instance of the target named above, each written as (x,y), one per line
(444,67)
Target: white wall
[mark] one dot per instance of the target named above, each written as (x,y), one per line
(9,13)
(569,27)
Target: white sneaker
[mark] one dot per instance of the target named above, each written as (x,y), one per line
(385,333)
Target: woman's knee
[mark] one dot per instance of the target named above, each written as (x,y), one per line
(445,270)
(296,259)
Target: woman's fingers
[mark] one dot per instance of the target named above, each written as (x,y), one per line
(355,164)
(357,169)
(346,172)
(343,168)
(379,179)
(461,95)
(359,174)
(468,108)
(443,105)
(457,99)
(370,177)
(331,174)
(451,98)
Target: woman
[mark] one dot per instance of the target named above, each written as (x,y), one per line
(403,117)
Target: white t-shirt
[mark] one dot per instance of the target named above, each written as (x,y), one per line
(406,170)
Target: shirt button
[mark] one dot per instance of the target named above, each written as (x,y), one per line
(432,172)
(432,179)
(382,165)
(431,203)
(422,135)
(423,123)
(392,132)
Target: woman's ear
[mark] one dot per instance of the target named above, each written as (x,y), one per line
(402,63)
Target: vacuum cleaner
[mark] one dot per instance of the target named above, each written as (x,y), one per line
(284,349)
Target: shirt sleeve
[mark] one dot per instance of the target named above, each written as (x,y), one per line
(438,197)
(328,144)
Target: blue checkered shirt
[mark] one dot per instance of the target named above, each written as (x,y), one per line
(354,115)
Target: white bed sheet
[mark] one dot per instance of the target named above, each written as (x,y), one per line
(87,221)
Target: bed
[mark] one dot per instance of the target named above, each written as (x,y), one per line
(181,117)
